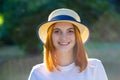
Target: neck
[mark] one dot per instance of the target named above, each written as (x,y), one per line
(65,58)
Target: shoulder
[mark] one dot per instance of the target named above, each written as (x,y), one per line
(94,65)
(93,62)
(38,67)
(36,72)
(97,69)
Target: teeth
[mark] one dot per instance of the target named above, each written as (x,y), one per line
(63,43)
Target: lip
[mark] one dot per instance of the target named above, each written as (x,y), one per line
(63,43)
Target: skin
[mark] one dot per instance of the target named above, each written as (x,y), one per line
(63,37)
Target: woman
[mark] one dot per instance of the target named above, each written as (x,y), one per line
(64,54)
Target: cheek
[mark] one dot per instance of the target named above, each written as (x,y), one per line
(73,37)
(54,38)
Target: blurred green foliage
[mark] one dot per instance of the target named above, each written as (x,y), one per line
(21,17)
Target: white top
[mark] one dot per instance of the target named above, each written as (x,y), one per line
(94,71)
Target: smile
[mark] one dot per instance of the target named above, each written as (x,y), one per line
(63,43)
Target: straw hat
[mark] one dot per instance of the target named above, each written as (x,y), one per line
(63,15)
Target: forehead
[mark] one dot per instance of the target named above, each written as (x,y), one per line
(63,25)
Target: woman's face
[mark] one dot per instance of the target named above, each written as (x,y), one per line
(63,36)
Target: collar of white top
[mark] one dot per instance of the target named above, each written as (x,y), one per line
(66,68)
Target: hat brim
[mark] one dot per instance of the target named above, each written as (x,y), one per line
(42,31)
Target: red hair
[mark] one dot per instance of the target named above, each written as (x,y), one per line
(80,54)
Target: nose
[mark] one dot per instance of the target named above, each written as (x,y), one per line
(63,37)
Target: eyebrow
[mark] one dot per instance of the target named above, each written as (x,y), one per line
(70,28)
(56,29)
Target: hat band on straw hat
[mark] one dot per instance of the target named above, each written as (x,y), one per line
(63,17)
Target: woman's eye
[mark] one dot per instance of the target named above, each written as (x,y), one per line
(56,31)
(71,31)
